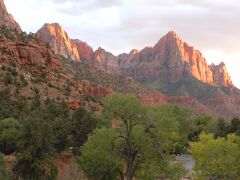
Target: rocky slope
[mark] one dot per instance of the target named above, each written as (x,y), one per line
(7,19)
(28,65)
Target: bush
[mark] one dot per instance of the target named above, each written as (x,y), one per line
(9,130)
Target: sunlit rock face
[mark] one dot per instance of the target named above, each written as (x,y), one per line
(85,52)
(105,61)
(59,41)
(220,75)
(7,19)
(170,59)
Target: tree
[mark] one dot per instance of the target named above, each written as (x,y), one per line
(235,126)
(222,129)
(216,158)
(133,143)
(9,130)
(81,124)
(61,132)
(128,111)
(35,149)
(100,156)
(6,108)
(165,128)
(200,124)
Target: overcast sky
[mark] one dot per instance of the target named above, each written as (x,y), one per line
(212,26)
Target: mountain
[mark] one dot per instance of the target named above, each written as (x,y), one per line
(171,66)
(58,39)
(7,19)
(170,59)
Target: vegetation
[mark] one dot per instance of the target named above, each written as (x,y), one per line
(127,140)
(35,134)
(140,144)
(4,173)
(216,158)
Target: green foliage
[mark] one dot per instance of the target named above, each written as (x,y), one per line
(81,124)
(199,124)
(35,147)
(167,124)
(235,126)
(100,156)
(216,158)
(222,128)
(9,130)
(136,144)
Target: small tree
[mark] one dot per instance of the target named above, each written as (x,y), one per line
(81,124)
(9,130)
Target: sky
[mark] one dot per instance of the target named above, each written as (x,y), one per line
(211,26)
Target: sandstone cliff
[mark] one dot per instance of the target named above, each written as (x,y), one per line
(85,52)
(170,59)
(220,75)
(58,40)
(7,19)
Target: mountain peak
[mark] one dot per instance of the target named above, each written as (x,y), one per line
(53,25)
(7,19)
(172,34)
(59,40)
(134,51)
(220,74)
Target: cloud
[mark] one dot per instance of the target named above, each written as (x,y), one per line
(76,7)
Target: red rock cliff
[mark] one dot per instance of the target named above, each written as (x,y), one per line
(85,52)
(220,75)
(170,59)
(59,41)
(7,19)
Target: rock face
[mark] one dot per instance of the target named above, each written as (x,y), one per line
(59,41)
(32,54)
(170,59)
(85,52)
(105,61)
(220,75)
(7,19)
